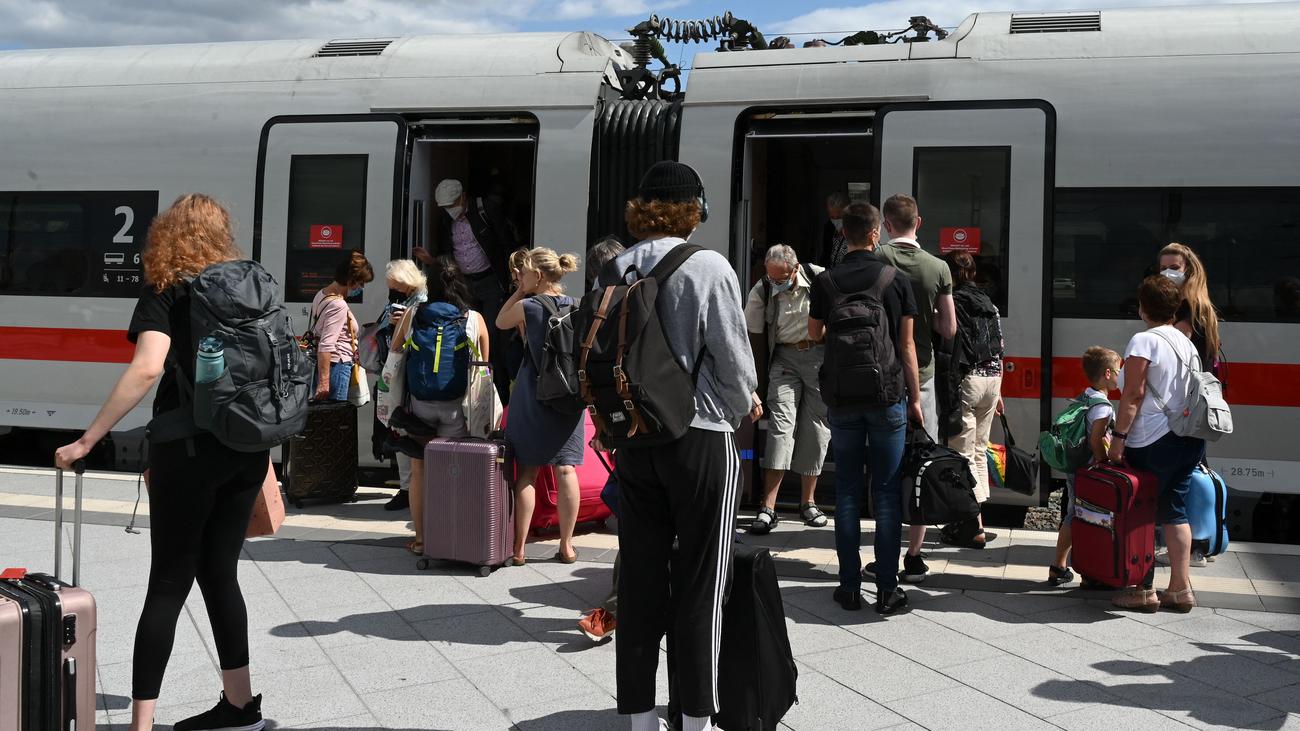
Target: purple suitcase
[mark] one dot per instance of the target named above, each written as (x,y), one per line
(468,503)
(47,640)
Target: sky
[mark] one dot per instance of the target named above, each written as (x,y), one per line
(60,23)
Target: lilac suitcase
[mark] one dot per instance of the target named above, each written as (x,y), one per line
(468,503)
(47,640)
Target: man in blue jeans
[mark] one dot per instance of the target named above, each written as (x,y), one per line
(871,419)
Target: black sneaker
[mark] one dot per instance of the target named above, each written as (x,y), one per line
(849,599)
(225,717)
(869,572)
(1058,576)
(400,501)
(892,603)
(914,569)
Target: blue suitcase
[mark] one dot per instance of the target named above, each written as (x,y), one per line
(1207,501)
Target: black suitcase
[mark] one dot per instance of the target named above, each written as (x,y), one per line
(321,463)
(757,676)
(938,487)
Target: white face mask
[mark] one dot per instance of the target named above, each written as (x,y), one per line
(1175,275)
(838,223)
(454,211)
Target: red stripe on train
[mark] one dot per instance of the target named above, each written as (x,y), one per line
(1248,384)
(65,344)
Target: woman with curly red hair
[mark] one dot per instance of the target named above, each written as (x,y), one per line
(201,492)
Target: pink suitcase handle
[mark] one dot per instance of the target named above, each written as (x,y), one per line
(79,467)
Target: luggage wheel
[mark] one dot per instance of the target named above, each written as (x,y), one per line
(484,571)
(423,564)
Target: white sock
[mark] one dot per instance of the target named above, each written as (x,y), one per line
(648,721)
(696,723)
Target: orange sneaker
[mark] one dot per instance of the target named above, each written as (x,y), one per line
(598,625)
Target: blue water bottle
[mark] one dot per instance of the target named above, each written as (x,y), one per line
(211,361)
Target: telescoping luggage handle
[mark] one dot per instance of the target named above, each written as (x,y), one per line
(79,467)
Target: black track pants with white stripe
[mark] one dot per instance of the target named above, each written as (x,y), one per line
(686,491)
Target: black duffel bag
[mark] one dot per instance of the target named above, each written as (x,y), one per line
(937,484)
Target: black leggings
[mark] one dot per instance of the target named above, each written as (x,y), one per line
(198,513)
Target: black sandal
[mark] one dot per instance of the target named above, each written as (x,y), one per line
(812,515)
(764,522)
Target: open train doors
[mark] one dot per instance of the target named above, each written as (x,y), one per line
(982,174)
(327,185)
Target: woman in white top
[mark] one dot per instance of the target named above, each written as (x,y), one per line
(1157,374)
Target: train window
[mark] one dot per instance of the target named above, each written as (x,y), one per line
(327,217)
(964,194)
(1106,240)
(85,243)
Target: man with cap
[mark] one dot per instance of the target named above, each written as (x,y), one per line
(686,490)
(477,234)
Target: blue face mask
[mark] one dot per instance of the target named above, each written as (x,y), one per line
(354,293)
(783,286)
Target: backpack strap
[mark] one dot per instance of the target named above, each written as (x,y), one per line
(620,378)
(672,261)
(1160,402)
(883,281)
(584,387)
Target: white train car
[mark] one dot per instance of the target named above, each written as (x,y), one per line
(1069,147)
(1065,147)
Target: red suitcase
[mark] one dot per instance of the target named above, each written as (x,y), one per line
(1113,528)
(47,640)
(592,476)
(468,503)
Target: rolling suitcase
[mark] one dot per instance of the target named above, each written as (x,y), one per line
(468,503)
(47,640)
(1207,501)
(1113,527)
(592,477)
(321,463)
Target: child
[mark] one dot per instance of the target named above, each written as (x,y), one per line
(1101,366)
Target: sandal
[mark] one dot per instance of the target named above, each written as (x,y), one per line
(763,522)
(812,516)
(517,560)
(1137,600)
(567,559)
(415,546)
(1059,575)
(1179,601)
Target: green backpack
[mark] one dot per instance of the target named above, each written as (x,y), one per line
(1064,446)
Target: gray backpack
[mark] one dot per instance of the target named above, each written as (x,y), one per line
(260,399)
(1206,414)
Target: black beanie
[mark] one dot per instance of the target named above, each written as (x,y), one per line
(670,181)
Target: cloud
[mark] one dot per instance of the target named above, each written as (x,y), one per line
(576,9)
(893,14)
(55,23)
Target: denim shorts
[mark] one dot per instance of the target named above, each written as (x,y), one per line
(1172,458)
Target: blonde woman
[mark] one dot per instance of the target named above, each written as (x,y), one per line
(201,492)
(407,288)
(1197,318)
(538,434)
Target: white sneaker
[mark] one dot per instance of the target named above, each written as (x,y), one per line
(1198,558)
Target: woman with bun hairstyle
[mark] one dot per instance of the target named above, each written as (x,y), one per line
(538,434)
(1197,318)
(335,327)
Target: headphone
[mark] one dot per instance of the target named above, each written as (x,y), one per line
(701,199)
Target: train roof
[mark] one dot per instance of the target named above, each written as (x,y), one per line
(1196,30)
(428,56)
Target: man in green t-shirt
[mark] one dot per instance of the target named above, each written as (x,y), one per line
(935,315)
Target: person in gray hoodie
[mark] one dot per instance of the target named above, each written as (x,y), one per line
(685,490)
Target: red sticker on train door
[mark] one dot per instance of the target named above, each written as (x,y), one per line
(326,236)
(964,238)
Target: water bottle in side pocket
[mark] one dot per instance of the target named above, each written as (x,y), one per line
(211,360)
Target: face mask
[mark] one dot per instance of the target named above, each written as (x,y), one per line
(354,293)
(783,286)
(454,211)
(1174,275)
(395,296)
(838,223)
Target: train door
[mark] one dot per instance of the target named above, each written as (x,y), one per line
(492,158)
(326,186)
(793,161)
(982,176)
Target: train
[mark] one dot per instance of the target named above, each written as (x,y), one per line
(1063,149)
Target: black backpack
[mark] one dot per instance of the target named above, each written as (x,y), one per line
(977,325)
(861,367)
(938,487)
(260,400)
(557,372)
(637,392)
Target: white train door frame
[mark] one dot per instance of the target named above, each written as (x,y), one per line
(991,157)
(372,150)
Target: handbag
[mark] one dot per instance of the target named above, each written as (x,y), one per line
(371,349)
(268,511)
(359,385)
(481,404)
(391,391)
(1010,467)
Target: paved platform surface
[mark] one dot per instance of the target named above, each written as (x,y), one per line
(347,634)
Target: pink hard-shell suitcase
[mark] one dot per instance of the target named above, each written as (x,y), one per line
(468,503)
(592,477)
(47,640)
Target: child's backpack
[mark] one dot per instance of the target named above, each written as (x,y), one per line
(639,394)
(557,373)
(977,321)
(260,398)
(1064,446)
(437,354)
